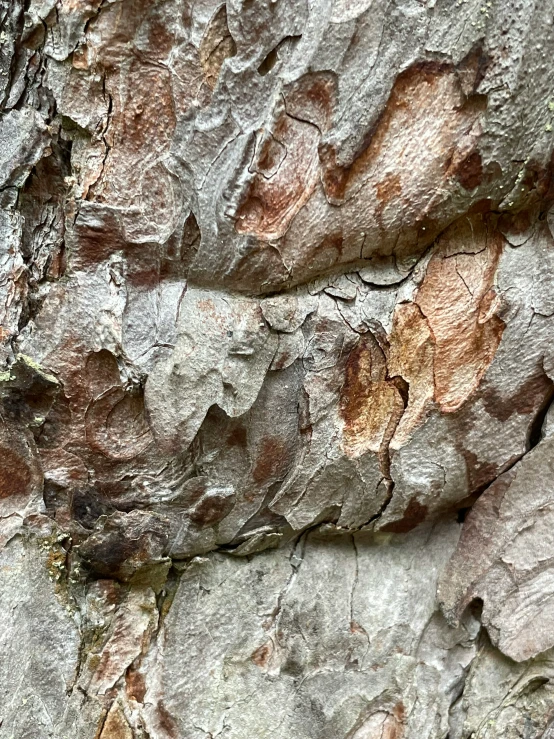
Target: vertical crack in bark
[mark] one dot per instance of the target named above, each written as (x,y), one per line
(536,427)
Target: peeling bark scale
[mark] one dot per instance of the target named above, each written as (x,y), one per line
(276,369)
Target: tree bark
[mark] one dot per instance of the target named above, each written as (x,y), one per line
(276,326)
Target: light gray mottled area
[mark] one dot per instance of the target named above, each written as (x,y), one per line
(521,694)
(327,637)
(228,370)
(39,641)
(510,527)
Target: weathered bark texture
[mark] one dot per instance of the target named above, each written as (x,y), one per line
(277,336)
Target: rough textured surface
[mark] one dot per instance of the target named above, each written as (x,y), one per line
(277,347)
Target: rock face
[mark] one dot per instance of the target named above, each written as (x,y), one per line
(277,346)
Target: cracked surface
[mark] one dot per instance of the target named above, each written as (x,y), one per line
(276,305)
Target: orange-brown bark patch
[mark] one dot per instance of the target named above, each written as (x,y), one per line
(411,356)
(388,188)
(216,46)
(458,299)
(399,711)
(427,94)
(392,728)
(368,399)
(115,725)
(381,725)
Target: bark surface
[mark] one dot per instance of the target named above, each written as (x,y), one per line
(277,348)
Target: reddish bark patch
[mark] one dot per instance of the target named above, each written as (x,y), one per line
(135,685)
(160,38)
(414,514)
(148,115)
(271,156)
(479,474)
(313,98)
(480,207)
(272,201)
(101,372)
(469,172)
(99,234)
(262,655)
(15,475)
(144,276)
(271,461)
(528,399)
(211,509)
(238,437)
(382,725)
(20,470)
(166,721)
(287,163)
(142,122)
(334,176)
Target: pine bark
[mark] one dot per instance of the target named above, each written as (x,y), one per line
(277,347)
